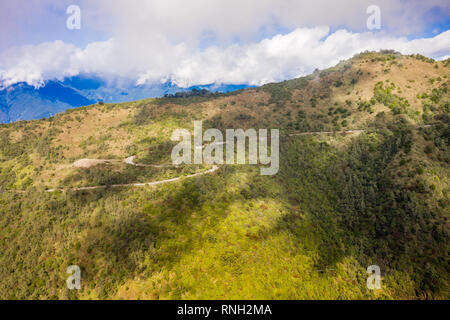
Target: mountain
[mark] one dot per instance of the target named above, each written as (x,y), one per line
(24,102)
(363,180)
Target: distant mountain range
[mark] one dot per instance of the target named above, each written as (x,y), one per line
(25,102)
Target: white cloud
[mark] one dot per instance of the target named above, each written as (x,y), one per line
(292,55)
(35,63)
(278,58)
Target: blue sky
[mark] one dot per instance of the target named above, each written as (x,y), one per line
(202,41)
(437,21)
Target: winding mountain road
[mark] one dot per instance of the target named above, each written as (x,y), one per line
(152,183)
(324,132)
(130,161)
(85,163)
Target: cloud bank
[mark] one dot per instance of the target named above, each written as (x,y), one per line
(280,57)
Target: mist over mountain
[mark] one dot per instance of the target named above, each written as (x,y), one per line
(22,101)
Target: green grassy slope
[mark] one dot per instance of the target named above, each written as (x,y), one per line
(340,202)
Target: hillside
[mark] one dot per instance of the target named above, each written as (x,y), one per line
(366,183)
(22,101)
